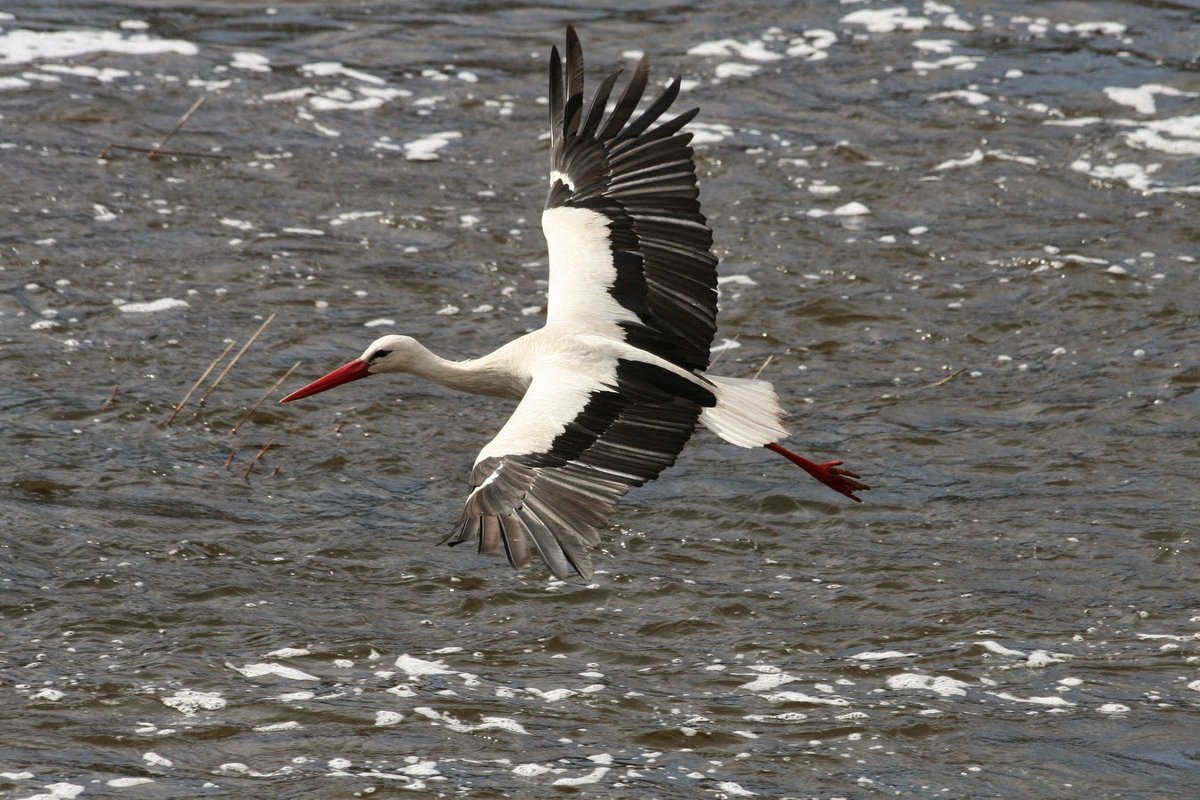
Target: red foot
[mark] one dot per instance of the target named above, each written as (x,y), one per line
(840,480)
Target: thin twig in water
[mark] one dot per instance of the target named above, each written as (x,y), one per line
(153,154)
(112,397)
(263,399)
(257,456)
(949,377)
(203,376)
(722,352)
(770,358)
(240,353)
(229,460)
(158,150)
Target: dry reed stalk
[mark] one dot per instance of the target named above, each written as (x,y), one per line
(112,397)
(263,399)
(153,154)
(770,358)
(240,353)
(949,377)
(203,376)
(722,352)
(257,456)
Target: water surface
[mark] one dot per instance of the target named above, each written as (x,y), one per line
(963,235)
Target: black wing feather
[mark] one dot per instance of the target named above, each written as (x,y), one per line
(643,179)
(559,500)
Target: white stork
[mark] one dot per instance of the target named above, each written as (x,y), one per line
(614,383)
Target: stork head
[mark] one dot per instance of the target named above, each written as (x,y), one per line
(386,354)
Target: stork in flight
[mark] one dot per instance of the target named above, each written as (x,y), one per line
(614,383)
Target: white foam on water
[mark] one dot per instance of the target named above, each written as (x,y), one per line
(968,96)
(485,723)
(415,667)
(1175,135)
(943,685)
(278,670)
(709,132)
(384,719)
(1092,28)
(325,69)
(971,159)
(1142,98)
(1044,658)
(151,306)
(769,678)
(1136,176)
(732,69)
(127,783)
(812,45)
(751,51)
(253,62)
(1051,700)
(352,216)
(886,20)
(595,776)
(289,95)
(344,100)
(881,655)
(426,148)
(801,697)
(290,725)
(993,646)
(58,791)
(734,789)
(949,62)
(937,46)
(530,770)
(852,209)
(551,695)
(188,701)
(101,74)
(24,46)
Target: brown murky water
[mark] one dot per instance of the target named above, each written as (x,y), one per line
(963,235)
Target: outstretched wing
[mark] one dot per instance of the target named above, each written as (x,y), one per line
(630,252)
(575,444)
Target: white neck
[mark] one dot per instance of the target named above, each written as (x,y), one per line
(487,375)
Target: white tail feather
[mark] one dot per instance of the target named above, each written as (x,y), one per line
(747,412)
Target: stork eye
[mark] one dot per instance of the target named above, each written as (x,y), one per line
(380,354)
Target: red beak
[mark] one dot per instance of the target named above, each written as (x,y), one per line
(344,374)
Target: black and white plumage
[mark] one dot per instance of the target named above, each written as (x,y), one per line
(614,384)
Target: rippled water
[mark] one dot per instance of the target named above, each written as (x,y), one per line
(964,235)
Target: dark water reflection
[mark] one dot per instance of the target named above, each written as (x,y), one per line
(1004,343)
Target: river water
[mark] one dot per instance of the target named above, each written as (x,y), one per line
(961,237)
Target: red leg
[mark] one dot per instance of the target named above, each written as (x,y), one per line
(840,480)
